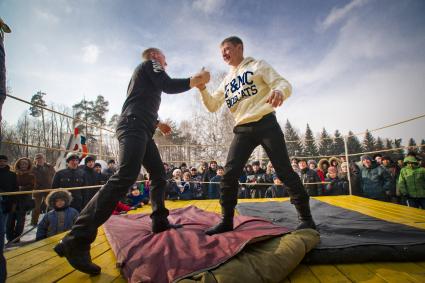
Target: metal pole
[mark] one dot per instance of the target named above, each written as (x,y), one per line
(348,164)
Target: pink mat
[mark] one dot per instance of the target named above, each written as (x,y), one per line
(178,253)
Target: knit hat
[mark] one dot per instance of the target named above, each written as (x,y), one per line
(332,169)
(71,155)
(311,161)
(366,157)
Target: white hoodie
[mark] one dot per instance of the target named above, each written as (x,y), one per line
(245,89)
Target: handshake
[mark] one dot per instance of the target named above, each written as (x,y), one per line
(200,79)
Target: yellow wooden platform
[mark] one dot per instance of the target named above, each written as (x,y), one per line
(38,263)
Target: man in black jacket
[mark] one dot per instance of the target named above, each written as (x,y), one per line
(7,184)
(135,131)
(91,178)
(71,177)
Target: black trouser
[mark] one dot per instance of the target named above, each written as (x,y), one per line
(136,147)
(15,224)
(268,134)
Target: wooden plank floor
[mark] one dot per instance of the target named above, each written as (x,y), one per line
(38,263)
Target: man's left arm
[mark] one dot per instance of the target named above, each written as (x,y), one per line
(280,88)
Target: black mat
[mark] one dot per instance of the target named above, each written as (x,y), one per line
(346,235)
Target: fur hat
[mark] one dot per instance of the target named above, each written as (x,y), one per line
(72,155)
(55,195)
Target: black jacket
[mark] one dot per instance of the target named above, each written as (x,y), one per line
(7,184)
(67,178)
(149,80)
(91,179)
(310,176)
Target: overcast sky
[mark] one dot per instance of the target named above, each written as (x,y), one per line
(355,65)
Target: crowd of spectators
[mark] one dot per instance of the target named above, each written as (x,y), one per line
(376,177)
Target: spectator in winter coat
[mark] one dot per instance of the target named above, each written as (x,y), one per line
(7,184)
(378,158)
(91,179)
(312,164)
(209,173)
(354,179)
(168,171)
(101,178)
(335,162)
(375,180)
(294,164)
(71,177)
(258,190)
(309,176)
(411,182)
(173,185)
(322,169)
(214,186)
(43,173)
(60,218)
(183,167)
(186,187)
(196,178)
(336,186)
(135,198)
(111,169)
(277,190)
(25,181)
(270,173)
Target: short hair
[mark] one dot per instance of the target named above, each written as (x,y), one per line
(111,161)
(233,40)
(146,54)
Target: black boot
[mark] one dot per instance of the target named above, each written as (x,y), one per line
(79,259)
(225,225)
(304,215)
(162,225)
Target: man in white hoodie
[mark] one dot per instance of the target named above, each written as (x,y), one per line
(251,91)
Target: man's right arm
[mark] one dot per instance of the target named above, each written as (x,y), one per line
(212,102)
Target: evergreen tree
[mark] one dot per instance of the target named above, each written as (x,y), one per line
(83,112)
(399,153)
(99,110)
(353,144)
(338,144)
(113,122)
(293,142)
(369,142)
(325,143)
(379,144)
(37,99)
(310,148)
(412,143)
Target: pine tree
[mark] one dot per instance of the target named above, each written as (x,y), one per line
(399,153)
(353,144)
(310,148)
(325,143)
(82,113)
(113,122)
(379,144)
(37,99)
(338,144)
(99,110)
(293,142)
(412,143)
(369,142)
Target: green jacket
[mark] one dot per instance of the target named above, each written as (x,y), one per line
(411,182)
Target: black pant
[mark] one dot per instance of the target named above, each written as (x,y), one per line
(136,147)
(268,134)
(15,224)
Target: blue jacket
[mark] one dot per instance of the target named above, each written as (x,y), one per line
(214,189)
(49,224)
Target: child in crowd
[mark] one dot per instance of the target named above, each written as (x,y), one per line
(185,187)
(135,198)
(277,190)
(336,186)
(60,218)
